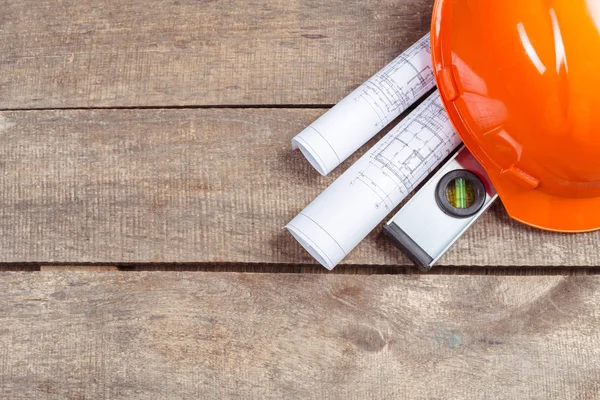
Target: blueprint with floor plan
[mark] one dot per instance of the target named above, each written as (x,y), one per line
(342,130)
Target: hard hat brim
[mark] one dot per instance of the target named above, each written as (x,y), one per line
(543,211)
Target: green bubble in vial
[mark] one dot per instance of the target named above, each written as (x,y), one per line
(460,193)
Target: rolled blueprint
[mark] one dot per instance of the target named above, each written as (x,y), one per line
(342,130)
(352,206)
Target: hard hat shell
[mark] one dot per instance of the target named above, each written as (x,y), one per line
(521,83)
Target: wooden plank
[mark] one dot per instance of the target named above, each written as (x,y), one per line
(107,53)
(247,336)
(203,185)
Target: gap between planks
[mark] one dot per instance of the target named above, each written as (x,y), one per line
(184,107)
(304,269)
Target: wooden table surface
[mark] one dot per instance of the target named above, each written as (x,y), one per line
(146,172)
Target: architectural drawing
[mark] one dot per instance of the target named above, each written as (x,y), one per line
(362,114)
(352,206)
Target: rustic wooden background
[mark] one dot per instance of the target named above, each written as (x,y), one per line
(145,175)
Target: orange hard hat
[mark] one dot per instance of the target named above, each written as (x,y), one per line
(521,83)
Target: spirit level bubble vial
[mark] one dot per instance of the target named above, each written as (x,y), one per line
(438,214)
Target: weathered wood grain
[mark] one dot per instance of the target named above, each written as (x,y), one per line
(246,336)
(214,185)
(107,53)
